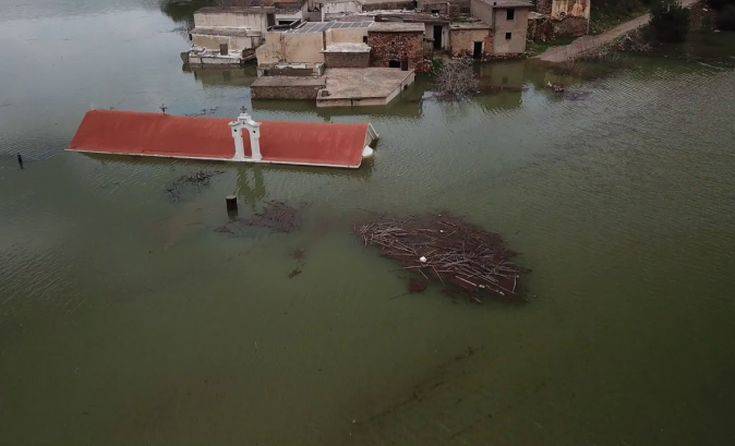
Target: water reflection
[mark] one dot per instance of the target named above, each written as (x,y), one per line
(225,76)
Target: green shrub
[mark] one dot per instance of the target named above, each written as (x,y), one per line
(669,20)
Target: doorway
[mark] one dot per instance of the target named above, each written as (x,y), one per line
(394,63)
(437,37)
(477,50)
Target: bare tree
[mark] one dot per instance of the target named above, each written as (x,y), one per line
(456,79)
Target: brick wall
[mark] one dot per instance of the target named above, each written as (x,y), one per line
(400,46)
(339,59)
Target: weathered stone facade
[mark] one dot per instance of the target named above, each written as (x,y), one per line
(402,49)
(287,87)
(341,59)
(463,42)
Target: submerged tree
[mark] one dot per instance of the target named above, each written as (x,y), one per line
(456,79)
(669,20)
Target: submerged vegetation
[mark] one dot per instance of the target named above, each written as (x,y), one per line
(456,79)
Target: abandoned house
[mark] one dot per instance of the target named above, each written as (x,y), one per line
(451,8)
(301,50)
(508,24)
(471,39)
(562,18)
(396,45)
(228,35)
(336,9)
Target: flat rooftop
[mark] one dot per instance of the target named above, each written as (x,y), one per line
(320,27)
(509,3)
(236,10)
(469,25)
(347,48)
(360,83)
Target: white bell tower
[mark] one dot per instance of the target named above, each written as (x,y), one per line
(245,122)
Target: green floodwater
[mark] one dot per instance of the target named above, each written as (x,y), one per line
(126,319)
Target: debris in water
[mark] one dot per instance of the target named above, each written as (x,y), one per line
(298,254)
(275,215)
(294,273)
(198,178)
(558,88)
(447,249)
(417,286)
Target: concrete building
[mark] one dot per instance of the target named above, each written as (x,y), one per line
(508,20)
(301,50)
(471,39)
(228,35)
(396,45)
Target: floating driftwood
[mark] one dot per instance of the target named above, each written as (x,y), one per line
(275,215)
(445,248)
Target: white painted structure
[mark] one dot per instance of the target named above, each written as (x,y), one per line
(244,121)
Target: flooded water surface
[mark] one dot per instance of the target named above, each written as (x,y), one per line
(126,317)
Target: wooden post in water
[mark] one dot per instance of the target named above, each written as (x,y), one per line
(231,201)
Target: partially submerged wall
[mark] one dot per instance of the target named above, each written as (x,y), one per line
(280,47)
(234,43)
(213,19)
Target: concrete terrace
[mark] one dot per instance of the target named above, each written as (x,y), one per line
(348,87)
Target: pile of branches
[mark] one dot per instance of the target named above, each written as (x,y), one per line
(447,249)
(456,79)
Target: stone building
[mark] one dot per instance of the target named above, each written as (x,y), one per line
(396,45)
(471,39)
(302,50)
(228,35)
(508,21)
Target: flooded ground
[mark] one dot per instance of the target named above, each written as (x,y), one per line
(126,318)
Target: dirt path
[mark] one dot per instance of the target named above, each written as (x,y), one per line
(586,44)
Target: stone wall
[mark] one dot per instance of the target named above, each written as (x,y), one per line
(405,47)
(342,59)
(463,42)
(282,92)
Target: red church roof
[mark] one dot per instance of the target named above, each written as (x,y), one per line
(155,134)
